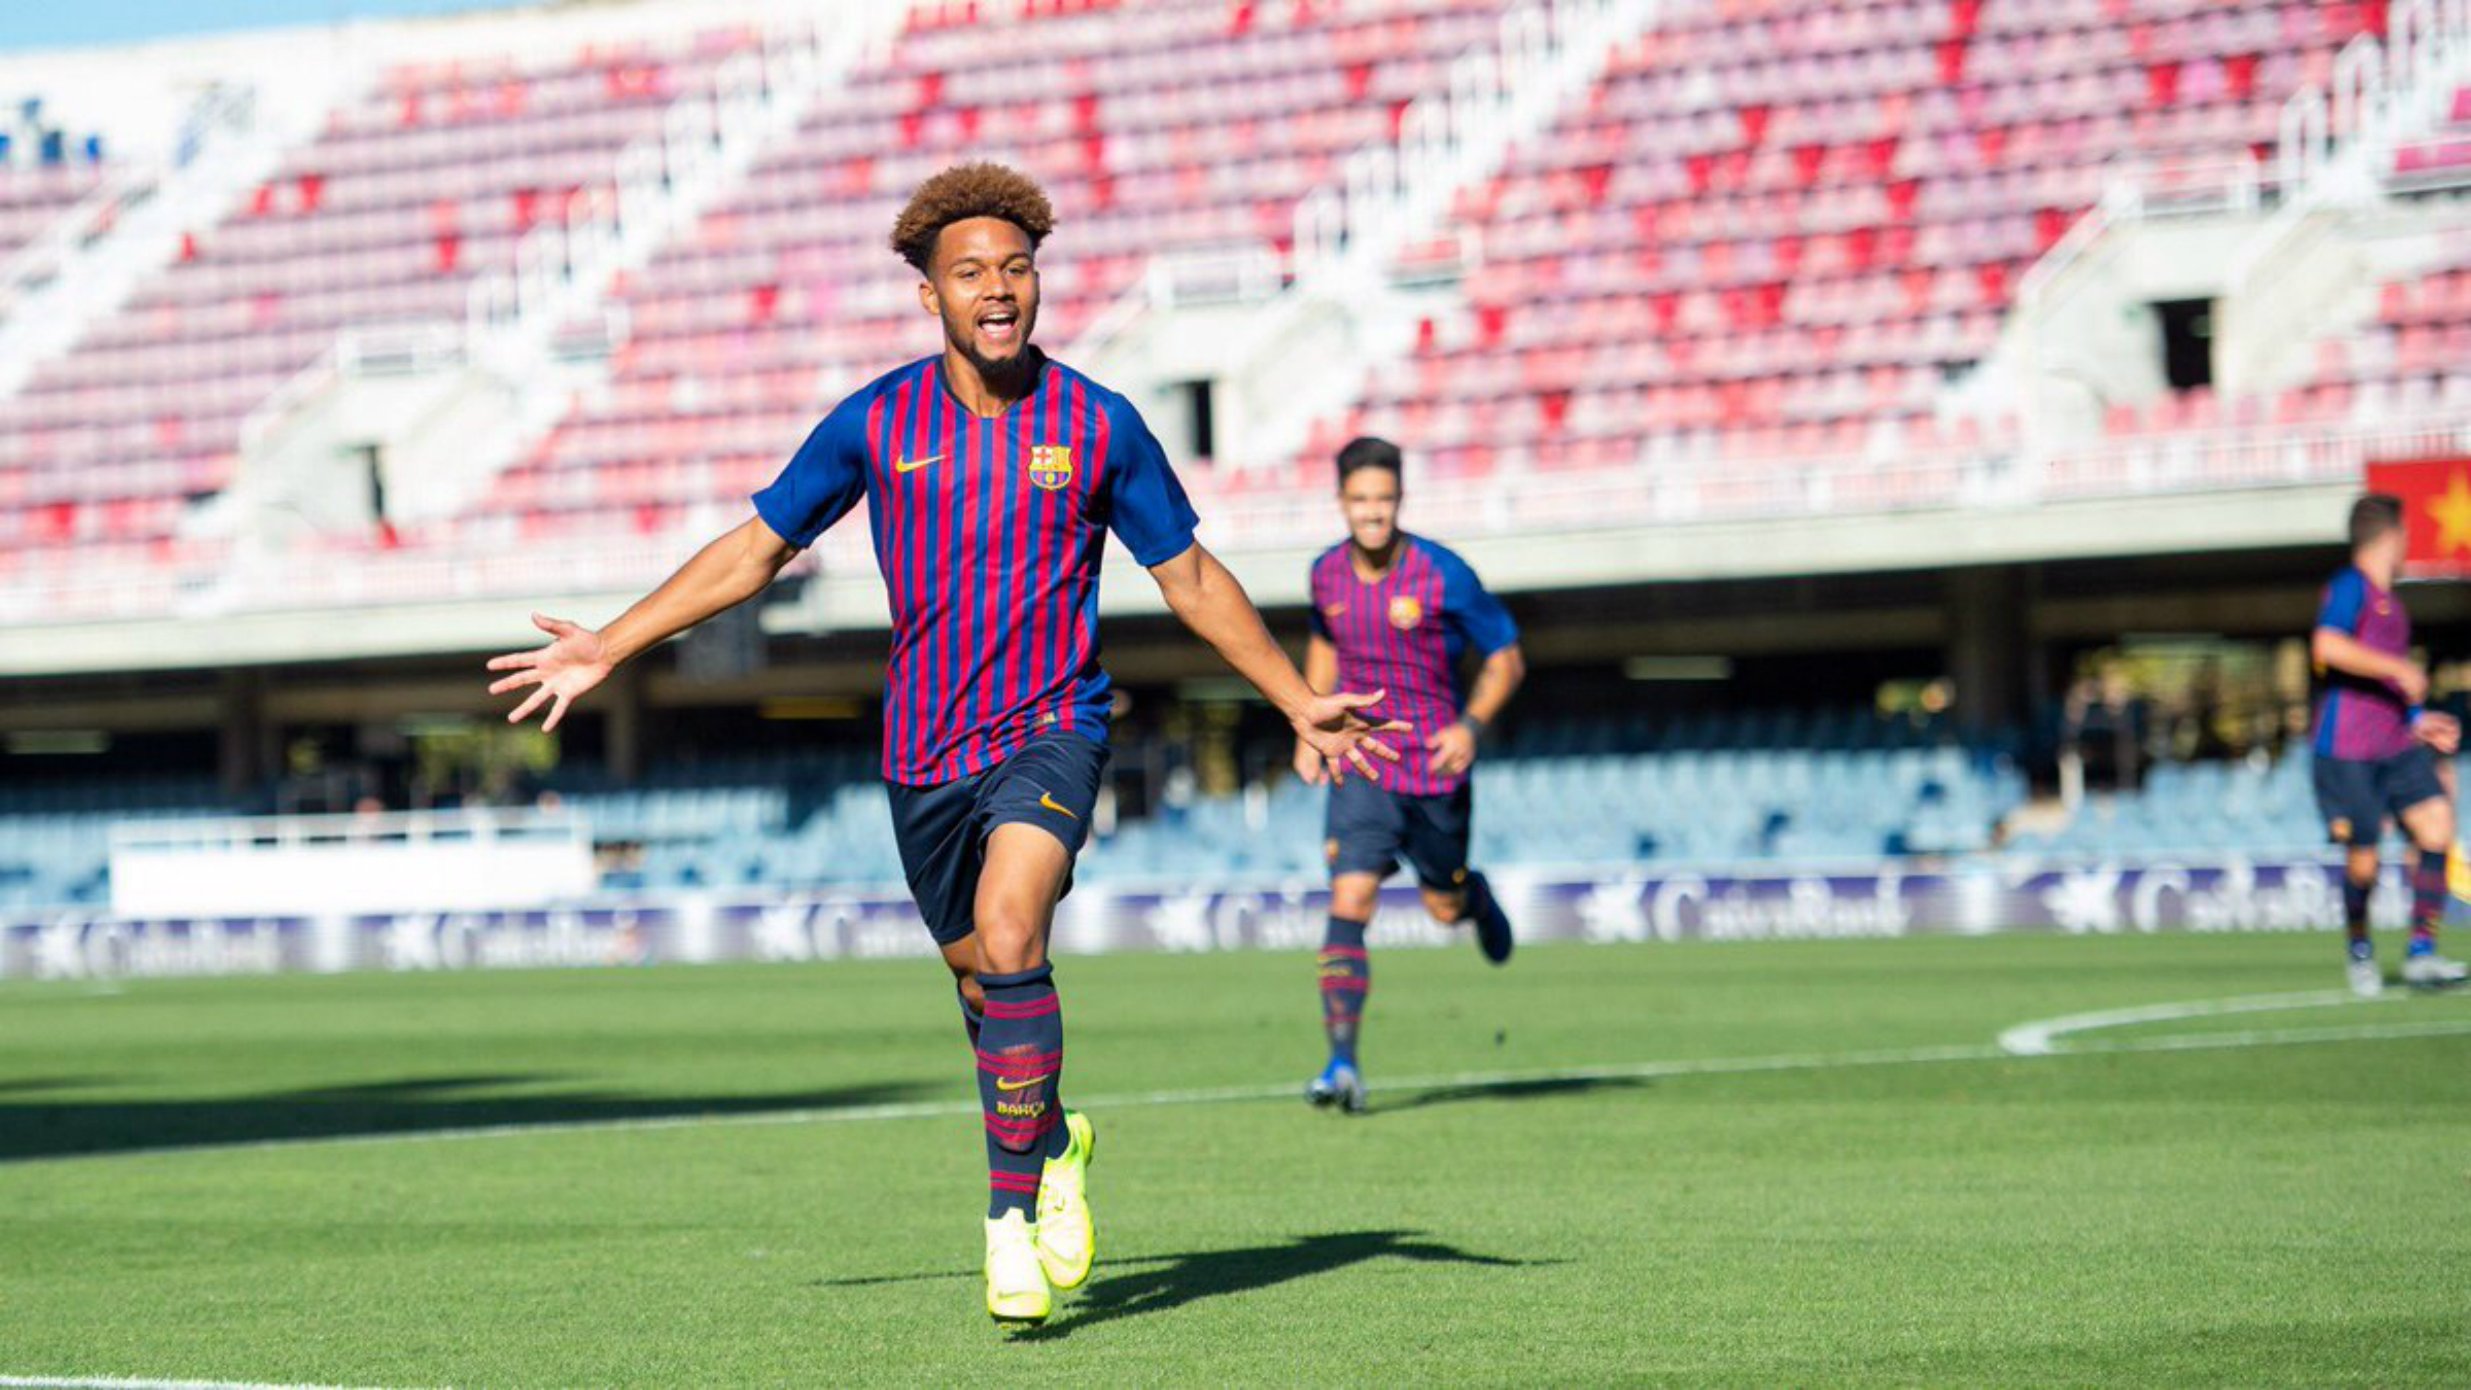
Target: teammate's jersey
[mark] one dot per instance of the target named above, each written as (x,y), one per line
(1403,633)
(989,534)
(2359,718)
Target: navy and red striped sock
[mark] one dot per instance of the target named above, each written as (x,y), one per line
(1020,1073)
(2355,913)
(1346,978)
(2427,900)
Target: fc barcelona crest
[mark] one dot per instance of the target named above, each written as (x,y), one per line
(1406,611)
(1050,465)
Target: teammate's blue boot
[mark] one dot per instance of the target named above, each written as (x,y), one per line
(1493,935)
(1338,1085)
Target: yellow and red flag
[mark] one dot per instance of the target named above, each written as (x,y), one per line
(2436,504)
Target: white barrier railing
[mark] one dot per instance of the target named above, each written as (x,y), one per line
(382,862)
(2338,140)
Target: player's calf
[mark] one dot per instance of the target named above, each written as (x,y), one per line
(1020,1068)
(1346,978)
(2360,964)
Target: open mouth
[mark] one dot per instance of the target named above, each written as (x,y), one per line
(1000,327)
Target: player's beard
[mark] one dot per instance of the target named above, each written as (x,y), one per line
(999,372)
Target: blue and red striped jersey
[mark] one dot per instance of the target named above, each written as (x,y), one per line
(2358,718)
(1404,634)
(989,533)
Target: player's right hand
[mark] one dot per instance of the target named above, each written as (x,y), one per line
(2441,732)
(1309,765)
(1331,727)
(572,663)
(2412,681)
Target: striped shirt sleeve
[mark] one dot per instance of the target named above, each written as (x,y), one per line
(2345,597)
(1468,606)
(1145,504)
(823,480)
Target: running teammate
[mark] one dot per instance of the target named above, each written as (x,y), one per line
(2375,746)
(992,475)
(1400,611)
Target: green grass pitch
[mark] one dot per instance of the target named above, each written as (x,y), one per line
(791,1195)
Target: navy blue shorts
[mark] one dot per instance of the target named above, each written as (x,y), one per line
(2355,795)
(1050,782)
(1371,828)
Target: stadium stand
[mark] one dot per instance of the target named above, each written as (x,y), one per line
(2259,808)
(1711,788)
(1770,235)
(411,191)
(1774,232)
(2408,361)
(55,841)
(1166,128)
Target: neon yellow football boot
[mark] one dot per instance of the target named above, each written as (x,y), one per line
(1067,1233)
(1016,1283)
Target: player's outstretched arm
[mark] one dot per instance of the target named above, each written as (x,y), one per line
(1320,673)
(728,572)
(1208,599)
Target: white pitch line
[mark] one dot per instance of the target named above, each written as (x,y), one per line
(120,1383)
(2039,1038)
(1499,1080)
(2279,1037)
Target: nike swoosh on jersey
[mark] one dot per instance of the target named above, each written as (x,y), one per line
(913,465)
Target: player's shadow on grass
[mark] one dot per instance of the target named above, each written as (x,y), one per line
(1163,1283)
(36,1128)
(1540,1089)
(22,1085)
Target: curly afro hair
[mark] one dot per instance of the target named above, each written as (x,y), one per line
(965,191)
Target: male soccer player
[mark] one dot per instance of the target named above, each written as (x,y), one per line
(993,474)
(2374,746)
(1401,609)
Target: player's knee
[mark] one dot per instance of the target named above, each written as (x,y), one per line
(1008,942)
(1352,901)
(1446,908)
(2436,829)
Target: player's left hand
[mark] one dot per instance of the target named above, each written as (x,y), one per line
(1344,738)
(1454,749)
(2441,732)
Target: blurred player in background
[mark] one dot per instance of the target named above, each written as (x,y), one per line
(2375,747)
(992,476)
(1401,612)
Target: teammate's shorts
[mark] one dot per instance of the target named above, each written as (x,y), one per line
(2355,795)
(1050,782)
(1370,828)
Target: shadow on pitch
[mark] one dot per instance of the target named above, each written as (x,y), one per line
(1155,1283)
(35,1128)
(1540,1089)
(16,1086)
(1163,1283)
